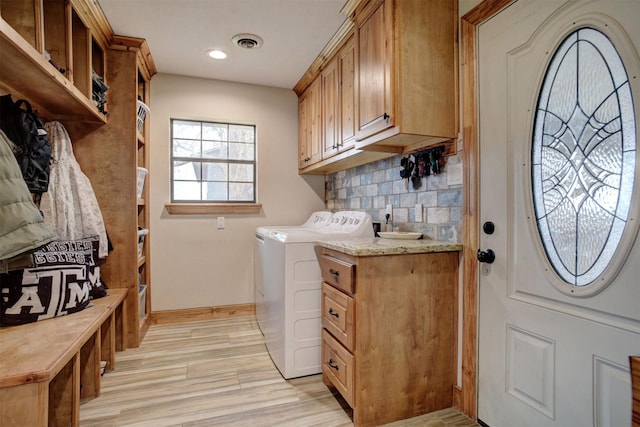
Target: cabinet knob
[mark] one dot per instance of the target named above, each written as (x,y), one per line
(334,272)
(333,365)
(385,116)
(333,313)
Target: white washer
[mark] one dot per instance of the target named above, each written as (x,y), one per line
(261,268)
(288,310)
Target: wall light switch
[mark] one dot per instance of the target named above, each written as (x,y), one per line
(220,222)
(419,212)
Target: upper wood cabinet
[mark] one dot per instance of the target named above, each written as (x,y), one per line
(339,101)
(347,71)
(309,125)
(330,109)
(388,84)
(375,52)
(335,89)
(407,75)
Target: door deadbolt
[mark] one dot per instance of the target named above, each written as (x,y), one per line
(488,227)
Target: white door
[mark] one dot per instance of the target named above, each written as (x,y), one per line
(559,311)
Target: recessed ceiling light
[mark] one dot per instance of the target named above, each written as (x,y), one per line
(217,54)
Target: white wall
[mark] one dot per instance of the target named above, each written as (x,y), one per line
(465,6)
(193,264)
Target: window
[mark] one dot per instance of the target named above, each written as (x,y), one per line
(212,162)
(584,160)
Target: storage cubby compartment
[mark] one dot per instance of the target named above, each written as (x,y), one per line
(55,39)
(21,16)
(99,87)
(61,398)
(34,32)
(142,233)
(142,303)
(97,58)
(80,73)
(142,88)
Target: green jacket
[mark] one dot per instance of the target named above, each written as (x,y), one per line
(22,228)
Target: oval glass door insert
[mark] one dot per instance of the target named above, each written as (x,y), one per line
(584,161)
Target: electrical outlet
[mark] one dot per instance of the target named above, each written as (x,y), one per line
(220,222)
(389,211)
(419,212)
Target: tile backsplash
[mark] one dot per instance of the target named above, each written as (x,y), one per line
(373,186)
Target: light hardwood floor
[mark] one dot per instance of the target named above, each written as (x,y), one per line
(218,373)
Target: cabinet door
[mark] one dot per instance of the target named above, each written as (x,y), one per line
(330,108)
(374,75)
(348,95)
(309,125)
(303,128)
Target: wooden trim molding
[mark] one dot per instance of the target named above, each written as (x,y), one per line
(337,41)
(471,216)
(204,313)
(136,44)
(212,208)
(634,362)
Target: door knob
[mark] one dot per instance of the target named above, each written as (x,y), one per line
(487,256)
(488,227)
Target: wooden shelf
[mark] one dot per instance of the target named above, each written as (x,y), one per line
(26,73)
(141,261)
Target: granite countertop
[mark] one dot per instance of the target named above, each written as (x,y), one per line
(378,246)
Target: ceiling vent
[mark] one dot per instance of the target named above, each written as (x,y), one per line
(247,41)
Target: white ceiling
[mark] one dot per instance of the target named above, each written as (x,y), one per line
(180,32)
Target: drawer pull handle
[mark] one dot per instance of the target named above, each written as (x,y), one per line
(333,313)
(334,272)
(333,365)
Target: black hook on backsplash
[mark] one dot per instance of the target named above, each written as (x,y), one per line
(425,162)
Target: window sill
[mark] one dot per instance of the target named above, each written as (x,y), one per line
(212,208)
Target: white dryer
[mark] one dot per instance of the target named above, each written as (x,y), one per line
(289,308)
(261,268)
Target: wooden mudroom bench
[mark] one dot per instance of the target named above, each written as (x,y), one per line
(46,367)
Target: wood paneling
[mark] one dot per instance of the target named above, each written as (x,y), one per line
(109,156)
(634,362)
(200,314)
(112,172)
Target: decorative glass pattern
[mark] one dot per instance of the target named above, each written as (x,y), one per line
(583,156)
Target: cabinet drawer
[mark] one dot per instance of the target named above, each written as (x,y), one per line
(338,315)
(338,273)
(338,366)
